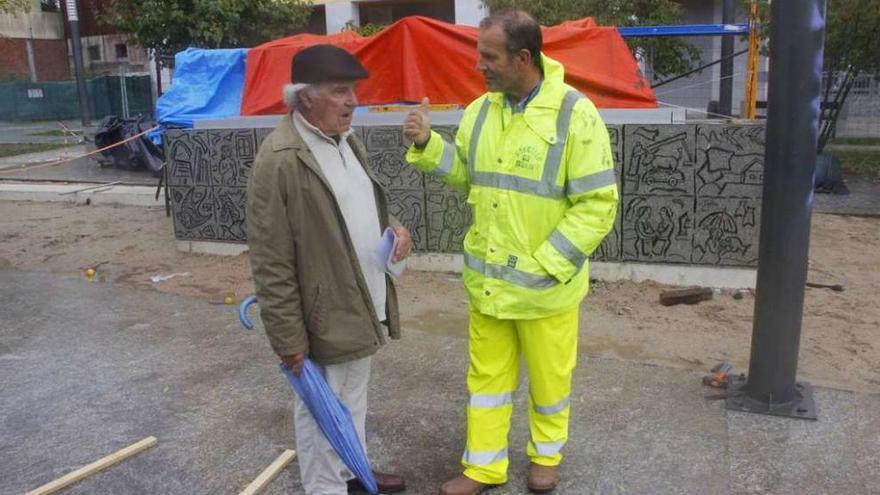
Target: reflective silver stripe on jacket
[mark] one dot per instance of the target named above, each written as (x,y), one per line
(490,400)
(590,182)
(546,186)
(567,248)
(508,274)
(447,160)
(484,457)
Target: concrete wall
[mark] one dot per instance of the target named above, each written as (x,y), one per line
(691,193)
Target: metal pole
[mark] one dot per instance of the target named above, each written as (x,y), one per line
(725,99)
(796,49)
(29,46)
(751,96)
(76,43)
(123,91)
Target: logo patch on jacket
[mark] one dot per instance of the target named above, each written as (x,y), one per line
(527,157)
(511,261)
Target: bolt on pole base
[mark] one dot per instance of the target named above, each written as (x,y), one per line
(802,407)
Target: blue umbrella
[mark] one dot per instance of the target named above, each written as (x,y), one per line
(332,416)
(334,420)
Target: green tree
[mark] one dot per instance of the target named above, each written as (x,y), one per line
(852,28)
(15,6)
(666,55)
(169,26)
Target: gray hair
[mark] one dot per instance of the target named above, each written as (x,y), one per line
(291,93)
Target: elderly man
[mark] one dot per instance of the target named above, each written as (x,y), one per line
(534,158)
(315,216)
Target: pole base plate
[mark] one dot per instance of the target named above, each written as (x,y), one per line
(802,406)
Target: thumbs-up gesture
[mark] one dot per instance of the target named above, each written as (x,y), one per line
(417,126)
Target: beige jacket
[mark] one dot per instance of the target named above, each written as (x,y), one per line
(313,297)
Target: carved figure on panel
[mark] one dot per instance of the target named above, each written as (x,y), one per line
(723,238)
(231,218)
(723,169)
(227,166)
(190,207)
(657,229)
(455,222)
(656,165)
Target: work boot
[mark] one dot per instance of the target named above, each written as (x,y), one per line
(542,479)
(462,485)
(387,483)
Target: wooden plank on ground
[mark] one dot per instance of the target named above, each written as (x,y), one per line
(685,296)
(85,471)
(269,473)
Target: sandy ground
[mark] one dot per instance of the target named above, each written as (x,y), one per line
(840,342)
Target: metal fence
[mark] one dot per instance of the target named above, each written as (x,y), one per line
(860,116)
(57,100)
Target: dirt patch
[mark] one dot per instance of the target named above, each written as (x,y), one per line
(840,341)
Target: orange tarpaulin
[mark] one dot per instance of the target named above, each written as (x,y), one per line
(418,57)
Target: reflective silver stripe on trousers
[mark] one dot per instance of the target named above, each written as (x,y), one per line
(490,400)
(508,274)
(591,182)
(548,448)
(552,409)
(565,247)
(546,187)
(484,457)
(447,159)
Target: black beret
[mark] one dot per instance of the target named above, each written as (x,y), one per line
(322,63)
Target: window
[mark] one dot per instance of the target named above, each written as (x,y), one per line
(121,50)
(50,5)
(94,52)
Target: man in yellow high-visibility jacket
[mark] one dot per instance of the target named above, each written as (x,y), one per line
(535,160)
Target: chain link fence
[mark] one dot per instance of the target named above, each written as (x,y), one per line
(860,116)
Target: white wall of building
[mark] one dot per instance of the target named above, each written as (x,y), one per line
(470,12)
(338,14)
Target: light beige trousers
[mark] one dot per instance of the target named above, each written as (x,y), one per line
(321,470)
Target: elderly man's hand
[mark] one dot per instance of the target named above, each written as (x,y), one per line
(404,244)
(295,362)
(417,126)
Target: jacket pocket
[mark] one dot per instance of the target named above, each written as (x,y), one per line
(315,316)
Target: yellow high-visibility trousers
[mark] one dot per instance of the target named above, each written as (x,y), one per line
(549,346)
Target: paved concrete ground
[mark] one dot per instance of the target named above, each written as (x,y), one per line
(80,170)
(34,132)
(88,368)
(86,170)
(863,198)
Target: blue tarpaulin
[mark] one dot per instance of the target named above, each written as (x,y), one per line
(207,84)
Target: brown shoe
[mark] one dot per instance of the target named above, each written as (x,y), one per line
(462,485)
(387,483)
(542,479)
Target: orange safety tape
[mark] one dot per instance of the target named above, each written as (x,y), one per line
(66,160)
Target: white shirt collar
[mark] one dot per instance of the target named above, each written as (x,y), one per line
(318,132)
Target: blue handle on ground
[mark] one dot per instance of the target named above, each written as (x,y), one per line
(242,312)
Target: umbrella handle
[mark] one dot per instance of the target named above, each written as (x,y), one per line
(242,312)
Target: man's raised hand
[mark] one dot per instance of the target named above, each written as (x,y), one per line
(417,126)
